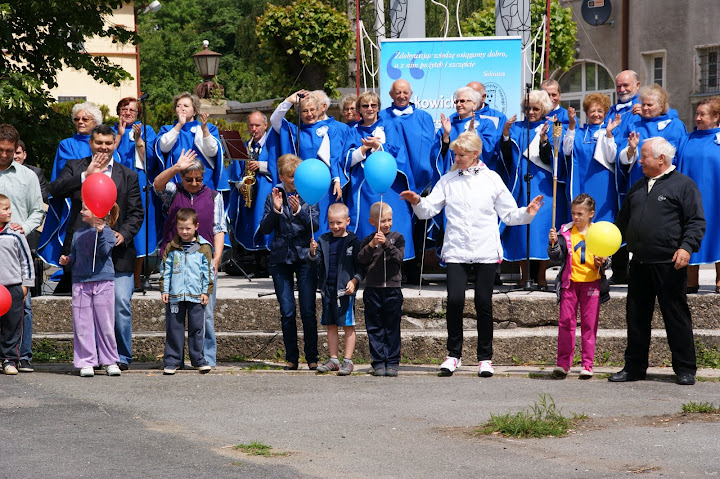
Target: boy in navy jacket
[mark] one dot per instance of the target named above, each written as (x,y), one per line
(339,275)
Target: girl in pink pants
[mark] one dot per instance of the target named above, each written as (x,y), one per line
(93,293)
(581,282)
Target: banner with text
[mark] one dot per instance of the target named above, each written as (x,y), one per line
(435,68)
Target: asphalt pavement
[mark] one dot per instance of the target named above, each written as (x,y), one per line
(143,424)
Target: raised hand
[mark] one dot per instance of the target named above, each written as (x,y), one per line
(612,125)
(535,205)
(445,122)
(573,118)
(637,109)
(98,164)
(186,159)
(277,199)
(294,202)
(544,130)
(410,196)
(508,125)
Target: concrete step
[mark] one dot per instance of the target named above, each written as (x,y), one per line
(514,310)
(511,346)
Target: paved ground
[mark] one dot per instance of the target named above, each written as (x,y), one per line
(144,424)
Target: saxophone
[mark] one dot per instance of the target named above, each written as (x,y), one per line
(248,181)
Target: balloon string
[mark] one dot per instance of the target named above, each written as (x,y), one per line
(384,262)
(95,250)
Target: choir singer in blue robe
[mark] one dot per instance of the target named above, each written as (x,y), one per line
(536,159)
(374,134)
(700,160)
(191,131)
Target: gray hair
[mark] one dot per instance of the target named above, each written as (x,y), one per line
(197,165)
(348,100)
(473,95)
(541,98)
(636,77)
(659,146)
(258,112)
(322,97)
(193,98)
(90,109)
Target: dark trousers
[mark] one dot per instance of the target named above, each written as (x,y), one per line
(668,285)
(11,326)
(282,276)
(383,311)
(457,280)
(175,333)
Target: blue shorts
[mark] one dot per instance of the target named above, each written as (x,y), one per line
(339,311)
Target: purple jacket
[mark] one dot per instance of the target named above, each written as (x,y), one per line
(203,202)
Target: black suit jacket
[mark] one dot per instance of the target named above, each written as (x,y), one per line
(41,178)
(69,184)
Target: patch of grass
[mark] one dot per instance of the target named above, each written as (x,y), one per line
(537,376)
(261,367)
(236,463)
(46,351)
(707,356)
(542,420)
(700,407)
(259,449)
(604,358)
(516,361)
(442,314)
(238,358)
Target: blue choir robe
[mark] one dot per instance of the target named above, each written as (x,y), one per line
(700,160)
(361,195)
(53,235)
(326,140)
(589,171)
(245,222)
(499,119)
(672,129)
(483,127)
(561,114)
(153,213)
(418,134)
(514,238)
(215,176)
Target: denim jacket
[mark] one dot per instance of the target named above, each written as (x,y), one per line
(186,275)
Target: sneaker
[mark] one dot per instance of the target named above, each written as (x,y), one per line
(87,372)
(586,373)
(331,364)
(448,367)
(169,370)
(391,371)
(123,366)
(204,369)
(559,372)
(25,366)
(380,371)
(485,369)
(346,368)
(112,370)
(10,369)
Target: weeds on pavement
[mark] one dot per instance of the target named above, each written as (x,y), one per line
(542,420)
(700,407)
(259,449)
(707,356)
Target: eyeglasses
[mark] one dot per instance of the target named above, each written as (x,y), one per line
(83,120)
(192,180)
(350,108)
(461,101)
(371,105)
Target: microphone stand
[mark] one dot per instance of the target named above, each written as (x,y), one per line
(528,285)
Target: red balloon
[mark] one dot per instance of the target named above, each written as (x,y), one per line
(99,194)
(5,300)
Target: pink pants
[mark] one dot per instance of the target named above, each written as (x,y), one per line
(587,296)
(93,307)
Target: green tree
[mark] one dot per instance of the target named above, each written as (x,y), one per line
(307,43)
(563,30)
(38,38)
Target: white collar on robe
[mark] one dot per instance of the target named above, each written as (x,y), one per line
(197,129)
(406,111)
(324,150)
(534,150)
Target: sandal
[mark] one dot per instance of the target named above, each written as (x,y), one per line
(290,367)
(312,366)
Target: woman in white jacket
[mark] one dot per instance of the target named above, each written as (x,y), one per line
(474,197)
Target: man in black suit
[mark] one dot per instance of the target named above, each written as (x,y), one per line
(69,185)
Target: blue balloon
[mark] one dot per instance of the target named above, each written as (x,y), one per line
(380,171)
(312,180)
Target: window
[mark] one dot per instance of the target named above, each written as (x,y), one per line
(709,77)
(654,63)
(63,99)
(582,79)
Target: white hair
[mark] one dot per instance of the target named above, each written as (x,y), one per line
(473,95)
(90,109)
(540,98)
(322,97)
(660,146)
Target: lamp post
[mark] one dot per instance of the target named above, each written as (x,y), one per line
(207,62)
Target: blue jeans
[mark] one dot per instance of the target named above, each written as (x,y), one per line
(124,287)
(210,343)
(282,275)
(26,338)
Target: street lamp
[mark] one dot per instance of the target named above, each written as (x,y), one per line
(207,62)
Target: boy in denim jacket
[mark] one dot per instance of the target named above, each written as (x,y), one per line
(186,285)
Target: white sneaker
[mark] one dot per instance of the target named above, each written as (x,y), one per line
(559,372)
(10,369)
(485,369)
(448,367)
(204,369)
(112,370)
(169,370)
(87,372)
(586,374)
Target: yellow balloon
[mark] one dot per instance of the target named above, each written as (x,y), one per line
(603,239)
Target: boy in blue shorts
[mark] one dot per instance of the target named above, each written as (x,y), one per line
(339,275)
